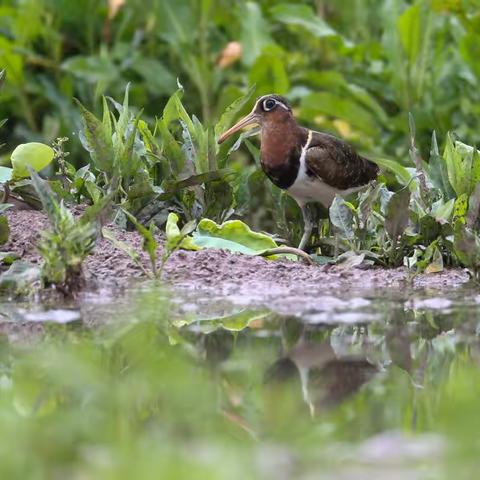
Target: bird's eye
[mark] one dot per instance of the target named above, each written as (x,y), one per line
(269,104)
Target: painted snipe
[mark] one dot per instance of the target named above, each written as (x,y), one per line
(311,166)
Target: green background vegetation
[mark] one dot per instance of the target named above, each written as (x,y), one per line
(355,68)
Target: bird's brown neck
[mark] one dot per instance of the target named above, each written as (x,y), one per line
(281,144)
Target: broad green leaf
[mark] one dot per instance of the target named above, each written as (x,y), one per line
(341,217)
(443,211)
(341,107)
(404,177)
(269,72)
(5,174)
(35,155)
(303,16)
(396,218)
(463,166)
(4,230)
(158,79)
(410,30)
(15,61)
(93,69)
(234,236)
(469,47)
(255,32)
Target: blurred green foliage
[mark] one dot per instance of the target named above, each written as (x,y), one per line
(354,68)
(150,396)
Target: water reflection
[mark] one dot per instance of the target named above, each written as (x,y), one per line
(325,380)
(328,354)
(359,368)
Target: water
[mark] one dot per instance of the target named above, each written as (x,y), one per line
(377,384)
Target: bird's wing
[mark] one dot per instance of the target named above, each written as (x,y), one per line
(336,163)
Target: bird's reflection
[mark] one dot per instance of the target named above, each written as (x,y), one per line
(325,379)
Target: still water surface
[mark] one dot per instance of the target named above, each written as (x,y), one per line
(377,384)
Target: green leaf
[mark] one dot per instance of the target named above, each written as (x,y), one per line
(396,218)
(149,243)
(404,177)
(35,155)
(234,236)
(4,230)
(437,171)
(339,106)
(231,111)
(460,208)
(193,180)
(341,217)
(436,265)
(93,68)
(47,198)
(303,16)
(158,79)
(463,166)
(443,211)
(410,29)
(255,32)
(177,238)
(5,174)
(97,140)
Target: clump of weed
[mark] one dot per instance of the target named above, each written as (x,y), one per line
(68,242)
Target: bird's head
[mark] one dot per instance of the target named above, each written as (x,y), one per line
(269,109)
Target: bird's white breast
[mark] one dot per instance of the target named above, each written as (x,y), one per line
(307,189)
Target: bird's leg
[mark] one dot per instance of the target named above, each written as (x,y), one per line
(307,226)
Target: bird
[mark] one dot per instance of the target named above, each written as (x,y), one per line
(310,166)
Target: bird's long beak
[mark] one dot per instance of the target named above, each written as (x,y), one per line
(250,119)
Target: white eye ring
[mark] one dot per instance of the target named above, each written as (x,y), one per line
(269,104)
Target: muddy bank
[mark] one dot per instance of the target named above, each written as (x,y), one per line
(229,274)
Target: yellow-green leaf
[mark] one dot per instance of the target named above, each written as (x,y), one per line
(33,154)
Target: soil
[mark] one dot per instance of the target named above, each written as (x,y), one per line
(232,274)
